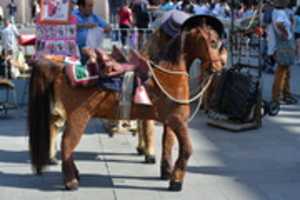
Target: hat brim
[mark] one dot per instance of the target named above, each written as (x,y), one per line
(172,21)
(200,20)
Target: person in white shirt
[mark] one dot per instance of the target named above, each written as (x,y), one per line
(284,53)
(9,34)
(1,13)
(9,37)
(203,8)
(221,9)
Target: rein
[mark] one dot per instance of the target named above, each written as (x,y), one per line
(179,101)
(151,63)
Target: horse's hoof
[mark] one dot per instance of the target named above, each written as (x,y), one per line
(39,171)
(150,159)
(175,186)
(72,185)
(165,175)
(133,132)
(52,161)
(111,135)
(140,151)
(77,175)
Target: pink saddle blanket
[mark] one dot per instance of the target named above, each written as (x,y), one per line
(87,75)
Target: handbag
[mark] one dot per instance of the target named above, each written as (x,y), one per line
(285,56)
(141,95)
(95,38)
(285,50)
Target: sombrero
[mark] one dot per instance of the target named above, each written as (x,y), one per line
(172,21)
(200,20)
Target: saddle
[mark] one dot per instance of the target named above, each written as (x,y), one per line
(110,72)
(99,65)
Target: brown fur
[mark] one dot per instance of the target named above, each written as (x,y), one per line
(82,104)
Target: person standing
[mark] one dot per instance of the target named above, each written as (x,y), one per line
(203,8)
(141,17)
(86,21)
(166,5)
(221,9)
(186,6)
(114,5)
(270,37)
(284,53)
(9,36)
(1,14)
(12,10)
(125,21)
(35,9)
(297,34)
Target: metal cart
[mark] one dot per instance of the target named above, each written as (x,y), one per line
(242,107)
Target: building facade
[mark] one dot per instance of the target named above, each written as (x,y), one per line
(23,12)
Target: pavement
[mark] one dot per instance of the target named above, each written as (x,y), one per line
(261,164)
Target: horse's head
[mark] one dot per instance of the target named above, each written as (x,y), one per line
(201,38)
(205,44)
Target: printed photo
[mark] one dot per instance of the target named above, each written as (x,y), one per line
(55,11)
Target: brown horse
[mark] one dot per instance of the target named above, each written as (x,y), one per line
(153,51)
(48,87)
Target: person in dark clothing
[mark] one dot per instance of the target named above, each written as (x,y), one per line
(12,10)
(186,6)
(125,21)
(114,6)
(141,17)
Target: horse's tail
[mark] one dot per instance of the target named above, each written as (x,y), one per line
(40,91)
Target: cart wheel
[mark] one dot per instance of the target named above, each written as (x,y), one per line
(274,108)
(265,108)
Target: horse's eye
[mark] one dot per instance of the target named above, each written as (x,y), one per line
(214,44)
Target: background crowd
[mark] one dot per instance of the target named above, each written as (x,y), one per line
(280,21)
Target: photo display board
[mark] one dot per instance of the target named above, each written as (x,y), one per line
(56,29)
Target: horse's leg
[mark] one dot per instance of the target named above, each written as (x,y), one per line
(141,142)
(166,157)
(179,126)
(149,140)
(72,135)
(53,143)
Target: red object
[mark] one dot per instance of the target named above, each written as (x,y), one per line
(259,31)
(125,16)
(27,40)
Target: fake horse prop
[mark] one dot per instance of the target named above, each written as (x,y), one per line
(49,87)
(170,25)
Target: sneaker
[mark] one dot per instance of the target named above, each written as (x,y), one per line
(290,100)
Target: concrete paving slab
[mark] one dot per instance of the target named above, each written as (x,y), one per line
(260,164)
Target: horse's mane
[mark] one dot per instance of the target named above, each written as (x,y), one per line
(153,46)
(173,50)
